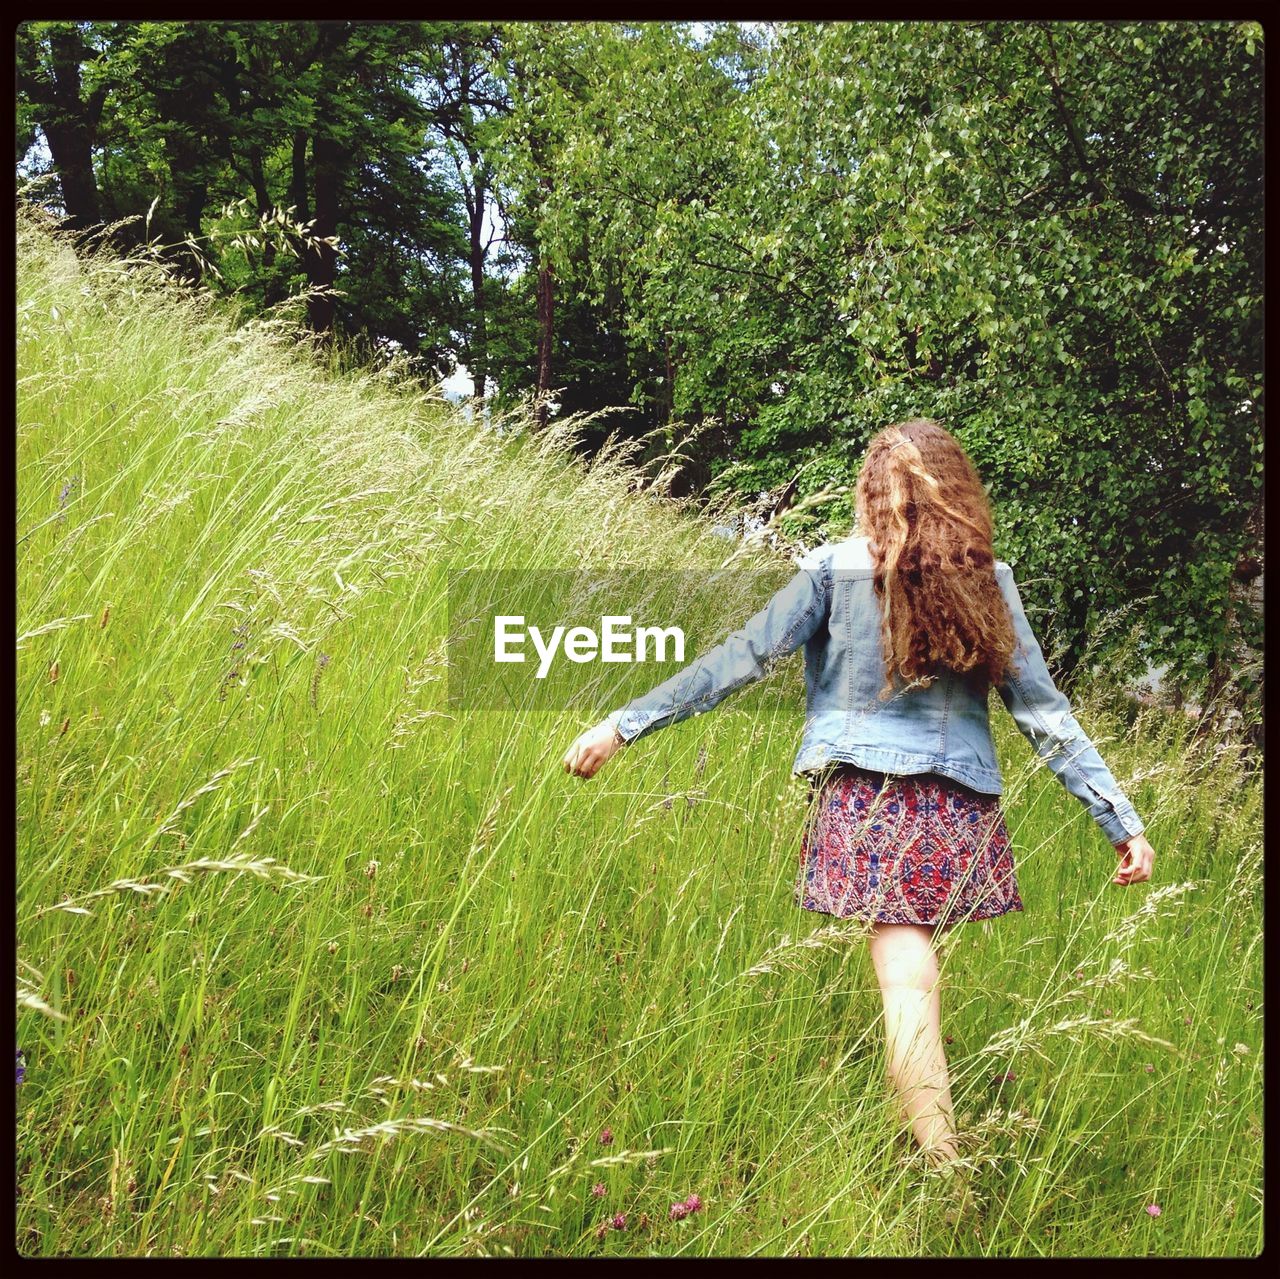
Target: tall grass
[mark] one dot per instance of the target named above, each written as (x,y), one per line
(312,963)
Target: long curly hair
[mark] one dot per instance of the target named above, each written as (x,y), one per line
(920,501)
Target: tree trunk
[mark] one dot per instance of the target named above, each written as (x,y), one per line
(328,165)
(261,194)
(479,346)
(546,335)
(183,153)
(322,259)
(298,177)
(190,188)
(70,125)
(299,201)
(186,150)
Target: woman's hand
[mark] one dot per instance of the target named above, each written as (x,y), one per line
(1136,856)
(591,750)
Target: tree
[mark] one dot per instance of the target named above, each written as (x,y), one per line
(320,125)
(62,93)
(542,72)
(465,98)
(1047,236)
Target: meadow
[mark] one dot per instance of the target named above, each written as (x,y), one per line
(311,962)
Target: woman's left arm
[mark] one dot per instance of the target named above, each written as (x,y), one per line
(791,617)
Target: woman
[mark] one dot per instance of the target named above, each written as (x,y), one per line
(905,629)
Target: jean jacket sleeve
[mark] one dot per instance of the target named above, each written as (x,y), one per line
(782,626)
(1044,716)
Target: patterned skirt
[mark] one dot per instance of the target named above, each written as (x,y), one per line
(918,849)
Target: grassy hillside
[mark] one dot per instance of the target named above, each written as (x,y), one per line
(311,961)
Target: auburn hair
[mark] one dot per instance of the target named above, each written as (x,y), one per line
(920,501)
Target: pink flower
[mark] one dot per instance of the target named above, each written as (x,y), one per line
(1007,1078)
(679,1210)
(599,1190)
(693,1203)
(1153,1210)
(1149,1068)
(601,1229)
(619,1221)
(606,1137)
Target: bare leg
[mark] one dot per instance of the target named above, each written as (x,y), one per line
(907,968)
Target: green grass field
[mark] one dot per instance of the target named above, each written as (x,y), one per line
(312,963)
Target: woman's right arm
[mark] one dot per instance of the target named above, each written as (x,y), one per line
(789,618)
(1044,716)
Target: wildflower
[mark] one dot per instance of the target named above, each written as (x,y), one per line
(1241,1050)
(600,1230)
(951,1039)
(606,1137)
(1007,1078)
(1149,1068)
(1153,1210)
(599,1190)
(226,682)
(67,489)
(619,1221)
(321,662)
(1186,1021)
(693,1203)
(678,1211)
(22,1065)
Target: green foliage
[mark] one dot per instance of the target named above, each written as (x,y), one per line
(314,123)
(1047,236)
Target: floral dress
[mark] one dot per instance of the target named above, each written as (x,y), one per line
(919,849)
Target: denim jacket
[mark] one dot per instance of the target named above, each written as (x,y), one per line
(831,608)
